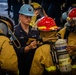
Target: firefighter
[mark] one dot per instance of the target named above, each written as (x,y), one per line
(69,33)
(8,57)
(38,12)
(67,7)
(42,63)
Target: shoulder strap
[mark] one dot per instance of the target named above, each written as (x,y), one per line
(66,34)
(1,46)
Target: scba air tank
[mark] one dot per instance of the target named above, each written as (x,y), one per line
(63,56)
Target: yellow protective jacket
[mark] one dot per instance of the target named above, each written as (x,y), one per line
(42,57)
(8,57)
(71,37)
(33,21)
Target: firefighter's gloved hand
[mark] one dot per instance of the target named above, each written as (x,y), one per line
(71,49)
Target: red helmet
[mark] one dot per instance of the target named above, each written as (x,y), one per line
(72,13)
(46,24)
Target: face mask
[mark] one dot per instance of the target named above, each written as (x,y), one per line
(72,25)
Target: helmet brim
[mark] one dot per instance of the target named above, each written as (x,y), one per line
(48,29)
(27,14)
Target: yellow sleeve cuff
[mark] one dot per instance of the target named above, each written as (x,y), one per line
(74,66)
(51,68)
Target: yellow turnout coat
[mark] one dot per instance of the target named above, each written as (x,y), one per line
(42,57)
(8,57)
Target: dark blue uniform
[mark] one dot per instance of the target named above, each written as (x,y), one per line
(25,59)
